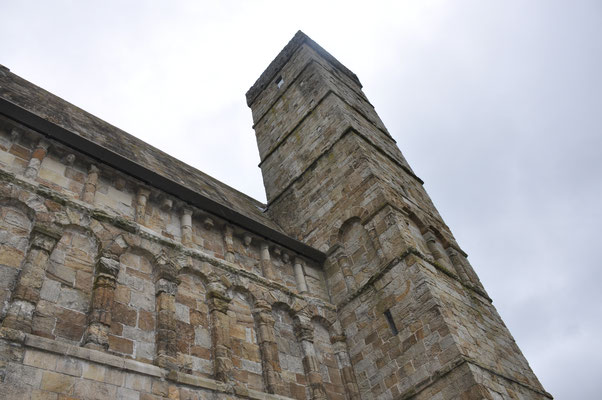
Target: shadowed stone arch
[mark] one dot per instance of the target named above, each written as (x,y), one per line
(358,253)
(246,355)
(24,251)
(360,213)
(17,220)
(193,321)
(142,277)
(289,351)
(67,294)
(333,359)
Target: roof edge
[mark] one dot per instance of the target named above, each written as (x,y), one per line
(284,56)
(152,178)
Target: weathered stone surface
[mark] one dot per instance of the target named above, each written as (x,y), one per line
(114,285)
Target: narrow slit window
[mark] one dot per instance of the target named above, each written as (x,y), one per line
(279,82)
(392,326)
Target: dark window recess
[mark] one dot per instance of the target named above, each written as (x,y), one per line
(279,82)
(392,326)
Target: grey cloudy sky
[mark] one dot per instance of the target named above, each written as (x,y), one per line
(497,105)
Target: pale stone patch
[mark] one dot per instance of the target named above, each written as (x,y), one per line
(182,313)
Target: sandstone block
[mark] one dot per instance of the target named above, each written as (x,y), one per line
(93,390)
(121,345)
(95,372)
(40,359)
(57,383)
(138,382)
(69,366)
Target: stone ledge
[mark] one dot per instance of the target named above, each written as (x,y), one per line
(387,266)
(124,364)
(424,384)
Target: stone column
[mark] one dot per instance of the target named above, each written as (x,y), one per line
(431,243)
(455,259)
(99,318)
(166,334)
(141,200)
(461,264)
(186,226)
(266,263)
(90,185)
(268,347)
(375,241)
(305,335)
(345,266)
(27,290)
(300,276)
(340,349)
(35,161)
(220,330)
(229,243)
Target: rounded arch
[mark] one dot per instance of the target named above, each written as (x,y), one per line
(360,213)
(412,216)
(141,252)
(444,242)
(19,205)
(322,320)
(290,351)
(16,223)
(244,291)
(193,322)
(70,271)
(283,306)
(190,270)
(328,362)
(244,338)
(72,243)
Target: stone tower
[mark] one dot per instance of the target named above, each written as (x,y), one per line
(417,321)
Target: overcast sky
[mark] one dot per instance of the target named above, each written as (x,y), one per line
(497,105)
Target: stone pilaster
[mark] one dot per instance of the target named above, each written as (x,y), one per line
(141,200)
(268,347)
(458,266)
(229,243)
(305,335)
(103,293)
(347,374)
(345,267)
(166,333)
(300,275)
(27,290)
(375,240)
(266,262)
(220,330)
(431,243)
(35,161)
(186,226)
(90,185)
(460,263)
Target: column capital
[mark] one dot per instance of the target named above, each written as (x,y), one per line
(45,237)
(165,286)
(107,265)
(304,332)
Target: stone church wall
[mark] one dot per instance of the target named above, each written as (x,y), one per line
(112,288)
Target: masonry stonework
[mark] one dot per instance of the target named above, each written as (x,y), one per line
(125,273)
